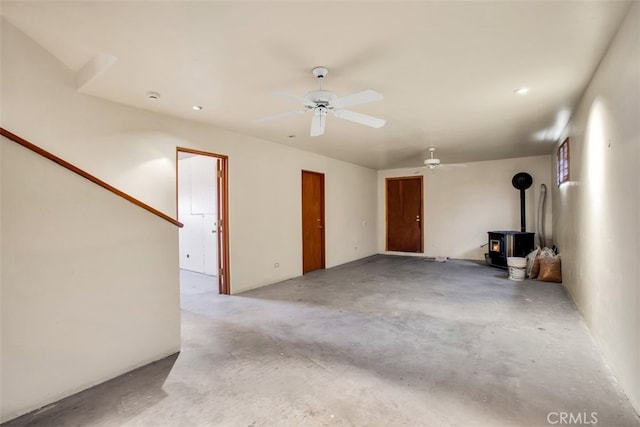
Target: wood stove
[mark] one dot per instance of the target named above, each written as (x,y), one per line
(503,244)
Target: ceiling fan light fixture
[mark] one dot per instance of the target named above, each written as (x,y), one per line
(318,122)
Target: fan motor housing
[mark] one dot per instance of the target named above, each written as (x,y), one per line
(432,162)
(321,96)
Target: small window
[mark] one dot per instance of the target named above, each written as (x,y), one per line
(563,162)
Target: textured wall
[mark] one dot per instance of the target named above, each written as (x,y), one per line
(597,214)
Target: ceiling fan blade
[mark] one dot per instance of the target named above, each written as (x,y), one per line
(318,122)
(363,119)
(363,97)
(278,116)
(296,98)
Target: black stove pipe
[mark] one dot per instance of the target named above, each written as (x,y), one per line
(523,222)
(522,181)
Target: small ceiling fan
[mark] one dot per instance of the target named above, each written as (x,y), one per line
(323,101)
(432,162)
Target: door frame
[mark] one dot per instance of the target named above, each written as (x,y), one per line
(322,218)
(224,273)
(386,210)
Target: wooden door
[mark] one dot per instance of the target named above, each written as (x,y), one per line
(312,221)
(404,214)
(222,205)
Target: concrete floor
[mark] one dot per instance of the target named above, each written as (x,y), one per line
(385,341)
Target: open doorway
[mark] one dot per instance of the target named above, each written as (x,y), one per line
(202,208)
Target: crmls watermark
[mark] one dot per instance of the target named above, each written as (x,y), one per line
(575,418)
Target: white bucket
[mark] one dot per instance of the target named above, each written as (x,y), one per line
(516,274)
(517,267)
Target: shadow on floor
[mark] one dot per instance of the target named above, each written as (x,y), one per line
(117,400)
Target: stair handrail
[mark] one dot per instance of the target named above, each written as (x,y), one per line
(46,154)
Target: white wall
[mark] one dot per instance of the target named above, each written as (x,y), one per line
(266,219)
(89,283)
(463,202)
(597,214)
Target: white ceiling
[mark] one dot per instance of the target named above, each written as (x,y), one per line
(447,69)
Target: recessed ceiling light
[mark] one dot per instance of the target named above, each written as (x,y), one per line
(197,107)
(521,91)
(154,96)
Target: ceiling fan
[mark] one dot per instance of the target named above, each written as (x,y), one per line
(321,101)
(433,163)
